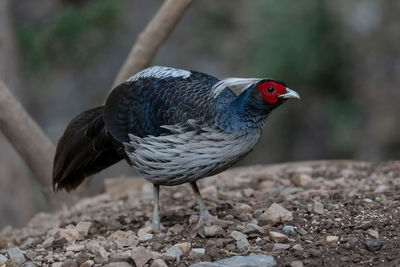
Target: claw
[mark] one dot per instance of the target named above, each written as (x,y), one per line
(206,219)
(157,227)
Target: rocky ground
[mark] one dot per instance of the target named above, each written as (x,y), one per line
(299,214)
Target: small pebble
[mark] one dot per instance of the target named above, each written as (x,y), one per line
(3,259)
(213,231)
(318,208)
(373,233)
(16,255)
(279,246)
(296,264)
(69,234)
(277,237)
(141,255)
(380,188)
(373,244)
(298,247)
(332,239)
(144,235)
(238,235)
(119,264)
(83,228)
(173,253)
(302,231)
(288,229)
(275,214)
(197,253)
(185,247)
(242,244)
(158,263)
(88,263)
(301,180)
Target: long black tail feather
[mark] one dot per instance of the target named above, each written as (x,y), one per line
(84,149)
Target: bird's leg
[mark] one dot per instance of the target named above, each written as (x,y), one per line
(205,217)
(157,226)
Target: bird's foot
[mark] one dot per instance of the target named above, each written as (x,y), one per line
(206,219)
(157,226)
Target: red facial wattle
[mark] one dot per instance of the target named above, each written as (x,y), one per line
(271,90)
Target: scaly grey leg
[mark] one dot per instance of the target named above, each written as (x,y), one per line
(205,217)
(157,226)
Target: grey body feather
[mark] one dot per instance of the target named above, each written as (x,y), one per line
(186,156)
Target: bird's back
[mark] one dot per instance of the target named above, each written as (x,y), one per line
(160,96)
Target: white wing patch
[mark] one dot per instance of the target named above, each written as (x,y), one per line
(237,85)
(185,156)
(159,72)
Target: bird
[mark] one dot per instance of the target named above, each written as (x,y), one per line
(173,126)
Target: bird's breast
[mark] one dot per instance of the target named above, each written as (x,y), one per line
(188,153)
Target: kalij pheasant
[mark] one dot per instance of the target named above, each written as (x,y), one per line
(172,126)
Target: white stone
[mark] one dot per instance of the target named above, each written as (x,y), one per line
(288,229)
(318,208)
(141,255)
(158,263)
(275,214)
(47,243)
(296,264)
(298,247)
(88,263)
(277,237)
(173,253)
(185,247)
(197,253)
(214,230)
(243,207)
(16,255)
(144,235)
(101,255)
(70,234)
(280,246)
(301,180)
(242,244)
(238,235)
(3,259)
(75,247)
(332,239)
(373,233)
(83,228)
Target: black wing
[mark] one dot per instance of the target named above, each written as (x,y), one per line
(141,106)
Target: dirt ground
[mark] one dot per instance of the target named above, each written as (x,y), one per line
(344,213)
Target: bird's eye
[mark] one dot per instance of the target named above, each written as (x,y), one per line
(270,89)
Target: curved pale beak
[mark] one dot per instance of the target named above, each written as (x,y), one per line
(290,94)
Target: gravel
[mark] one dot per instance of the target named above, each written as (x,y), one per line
(337,216)
(16,255)
(238,261)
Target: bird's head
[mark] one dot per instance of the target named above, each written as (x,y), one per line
(274,92)
(265,91)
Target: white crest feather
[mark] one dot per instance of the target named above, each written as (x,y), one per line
(160,72)
(237,85)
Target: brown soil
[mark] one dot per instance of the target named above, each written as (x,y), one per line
(361,209)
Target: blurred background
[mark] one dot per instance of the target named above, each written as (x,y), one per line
(343,57)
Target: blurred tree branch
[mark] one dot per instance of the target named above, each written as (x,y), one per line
(153,36)
(28,138)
